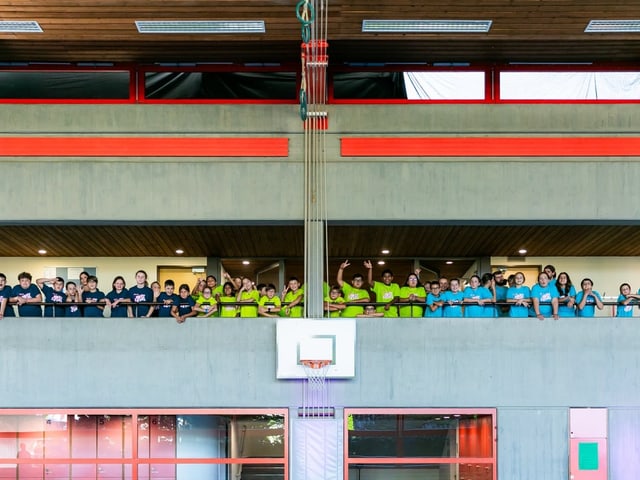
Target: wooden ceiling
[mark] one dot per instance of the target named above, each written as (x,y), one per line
(522,31)
(263,244)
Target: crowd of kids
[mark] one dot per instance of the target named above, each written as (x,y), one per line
(489,295)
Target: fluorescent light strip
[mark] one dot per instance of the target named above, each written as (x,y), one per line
(19,26)
(613,26)
(426,26)
(200,26)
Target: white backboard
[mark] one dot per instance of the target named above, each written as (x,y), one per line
(301,339)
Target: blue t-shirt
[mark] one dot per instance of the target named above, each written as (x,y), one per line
(27,310)
(140,295)
(53,296)
(431,298)
(94,298)
(589,309)
(165,310)
(452,303)
(518,293)
(544,296)
(475,310)
(624,310)
(185,305)
(6,293)
(120,310)
(563,309)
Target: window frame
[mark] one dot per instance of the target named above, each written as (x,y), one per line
(381,461)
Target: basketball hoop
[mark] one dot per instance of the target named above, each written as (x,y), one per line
(315,392)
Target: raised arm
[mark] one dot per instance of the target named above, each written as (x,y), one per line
(339,279)
(369,267)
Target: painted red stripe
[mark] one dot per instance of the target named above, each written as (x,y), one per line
(490,147)
(143,147)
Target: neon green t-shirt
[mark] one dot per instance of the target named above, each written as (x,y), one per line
(266,302)
(227,311)
(336,313)
(412,310)
(205,304)
(351,294)
(386,293)
(248,311)
(298,310)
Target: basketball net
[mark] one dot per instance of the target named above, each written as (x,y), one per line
(315,391)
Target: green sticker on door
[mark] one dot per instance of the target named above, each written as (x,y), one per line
(587,456)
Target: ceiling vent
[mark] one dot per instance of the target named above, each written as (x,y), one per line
(426,26)
(613,26)
(19,26)
(200,26)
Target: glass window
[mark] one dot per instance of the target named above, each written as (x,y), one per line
(169,446)
(166,85)
(65,85)
(420,442)
(523,85)
(410,85)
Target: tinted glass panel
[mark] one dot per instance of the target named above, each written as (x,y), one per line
(65,85)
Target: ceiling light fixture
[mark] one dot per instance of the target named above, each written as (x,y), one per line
(613,26)
(42,251)
(200,26)
(20,26)
(426,26)
(385,252)
(522,251)
(179,251)
(449,262)
(380,262)
(245,262)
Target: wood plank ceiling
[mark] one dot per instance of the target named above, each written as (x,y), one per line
(437,244)
(522,31)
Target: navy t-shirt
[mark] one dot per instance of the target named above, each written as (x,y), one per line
(6,293)
(185,305)
(140,295)
(120,310)
(93,297)
(53,296)
(165,310)
(27,310)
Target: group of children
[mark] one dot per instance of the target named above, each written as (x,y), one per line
(488,296)
(75,300)
(236,297)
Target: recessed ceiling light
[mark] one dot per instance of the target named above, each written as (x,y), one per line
(426,26)
(613,26)
(246,262)
(42,251)
(19,26)
(200,26)
(179,251)
(449,262)
(522,251)
(385,251)
(380,262)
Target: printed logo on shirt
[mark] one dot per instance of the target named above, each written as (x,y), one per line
(139,297)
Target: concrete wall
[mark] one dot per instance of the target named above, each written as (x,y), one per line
(531,371)
(475,188)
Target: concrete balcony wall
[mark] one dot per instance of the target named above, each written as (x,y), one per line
(531,371)
(359,188)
